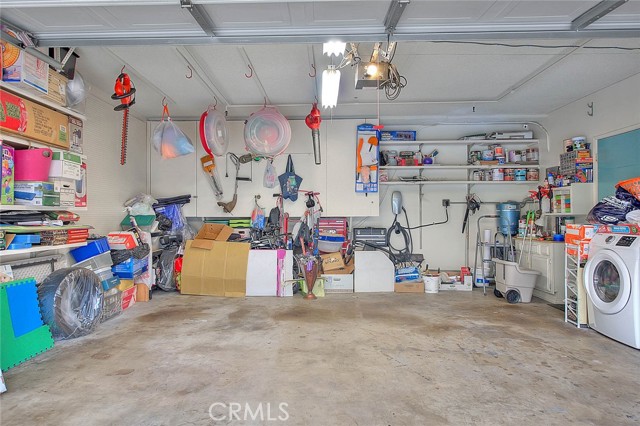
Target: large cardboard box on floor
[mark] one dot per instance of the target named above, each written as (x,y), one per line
(214,267)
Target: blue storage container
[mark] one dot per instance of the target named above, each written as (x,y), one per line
(130,268)
(110,283)
(93,248)
(26,239)
(18,246)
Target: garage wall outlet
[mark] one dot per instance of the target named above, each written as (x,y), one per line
(446,202)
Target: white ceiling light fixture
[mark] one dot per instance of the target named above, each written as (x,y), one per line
(333,48)
(330,87)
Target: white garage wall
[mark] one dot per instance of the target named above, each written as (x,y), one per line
(109,183)
(616,109)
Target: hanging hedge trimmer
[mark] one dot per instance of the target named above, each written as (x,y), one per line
(124,90)
(313,121)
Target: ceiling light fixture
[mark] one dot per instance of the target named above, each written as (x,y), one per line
(330,87)
(333,48)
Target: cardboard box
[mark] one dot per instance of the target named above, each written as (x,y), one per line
(332,261)
(8,155)
(211,266)
(65,165)
(621,228)
(35,187)
(142,293)
(32,120)
(576,233)
(214,231)
(398,135)
(57,88)
(128,298)
(409,287)
(125,285)
(75,135)
(81,186)
(335,283)
(24,69)
(122,240)
(467,285)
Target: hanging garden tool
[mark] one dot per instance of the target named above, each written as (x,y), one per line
(124,90)
(313,121)
(214,137)
(229,206)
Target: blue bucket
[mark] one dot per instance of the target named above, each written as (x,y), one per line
(509,215)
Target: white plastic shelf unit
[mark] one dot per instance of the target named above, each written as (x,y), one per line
(39,99)
(575,303)
(574,200)
(442,143)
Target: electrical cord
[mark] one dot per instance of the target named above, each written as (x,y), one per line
(446,212)
(404,254)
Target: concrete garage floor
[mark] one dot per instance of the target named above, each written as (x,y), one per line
(394,359)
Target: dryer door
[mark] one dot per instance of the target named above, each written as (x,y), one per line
(607,281)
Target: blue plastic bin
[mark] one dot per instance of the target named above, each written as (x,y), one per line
(26,239)
(93,248)
(130,268)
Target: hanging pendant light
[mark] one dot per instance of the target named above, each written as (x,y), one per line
(330,87)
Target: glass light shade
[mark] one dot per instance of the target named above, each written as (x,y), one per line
(330,87)
(333,48)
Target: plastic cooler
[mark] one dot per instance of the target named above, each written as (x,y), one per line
(96,263)
(130,268)
(330,244)
(93,248)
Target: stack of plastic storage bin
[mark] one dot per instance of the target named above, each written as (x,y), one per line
(96,256)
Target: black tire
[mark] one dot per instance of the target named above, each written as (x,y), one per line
(71,302)
(513,296)
(497,293)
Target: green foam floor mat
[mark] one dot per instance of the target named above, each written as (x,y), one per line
(16,350)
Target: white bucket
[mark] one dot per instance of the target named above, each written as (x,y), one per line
(431,284)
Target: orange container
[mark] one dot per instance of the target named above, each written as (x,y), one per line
(577,233)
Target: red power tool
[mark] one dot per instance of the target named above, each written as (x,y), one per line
(313,121)
(124,90)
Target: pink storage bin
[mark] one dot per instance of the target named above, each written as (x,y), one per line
(33,164)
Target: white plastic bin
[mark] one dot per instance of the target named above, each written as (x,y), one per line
(516,284)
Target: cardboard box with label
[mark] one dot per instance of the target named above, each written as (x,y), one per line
(81,186)
(212,266)
(338,283)
(67,190)
(65,165)
(409,287)
(75,135)
(31,120)
(24,70)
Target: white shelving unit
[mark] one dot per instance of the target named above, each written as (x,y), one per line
(36,249)
(458,182)
(16,207)
(39,99)
(467,142)
(581,198)
(575,303)
(462,167)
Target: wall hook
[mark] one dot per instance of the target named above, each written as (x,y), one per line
(122,69)
(265,103)
(590,109)
(314,71)
(251,74)
(190,75)
(214,105)
(164,101)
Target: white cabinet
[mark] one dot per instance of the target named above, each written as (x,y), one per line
(548,259)
(175,176)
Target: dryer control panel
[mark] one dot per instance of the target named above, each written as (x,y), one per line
(626,241)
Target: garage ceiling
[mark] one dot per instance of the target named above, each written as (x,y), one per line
(278,43)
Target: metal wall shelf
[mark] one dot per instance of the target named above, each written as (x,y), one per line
(469,142)
(36,249)
(39,99)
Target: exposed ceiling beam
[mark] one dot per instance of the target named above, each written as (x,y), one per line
(130,39)
(200,15)
(596,12)
(396,9)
